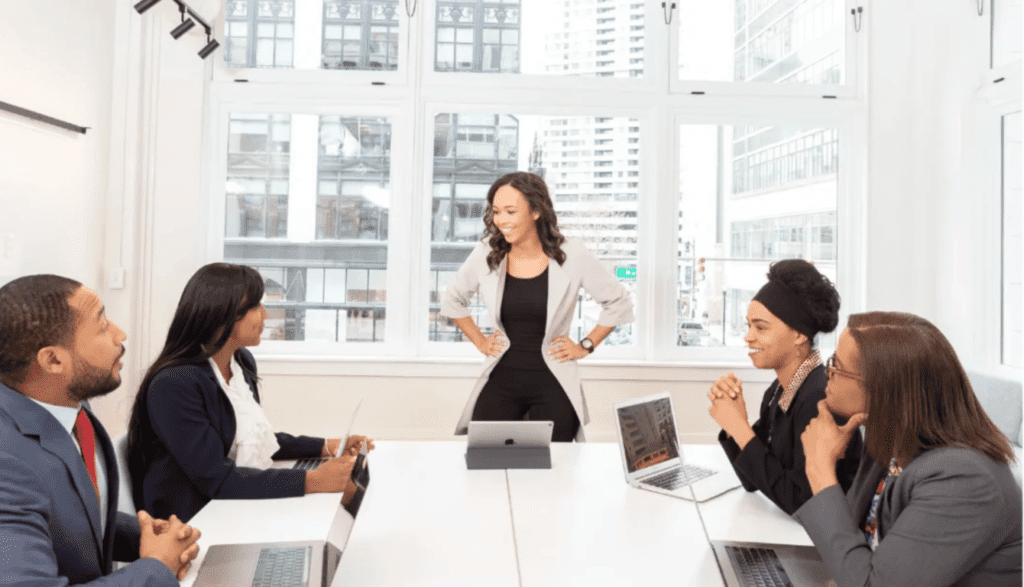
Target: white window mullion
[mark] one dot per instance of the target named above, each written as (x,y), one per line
(302,178)
(309,30)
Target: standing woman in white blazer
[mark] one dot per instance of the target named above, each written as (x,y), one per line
(529,277)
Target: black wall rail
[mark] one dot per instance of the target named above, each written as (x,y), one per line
(42,118)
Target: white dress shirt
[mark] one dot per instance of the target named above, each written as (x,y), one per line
(254,442)
(67,416)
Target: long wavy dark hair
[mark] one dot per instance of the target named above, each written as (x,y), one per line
(919,396)
(535,191)
(214,299)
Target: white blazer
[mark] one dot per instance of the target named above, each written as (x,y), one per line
(581,269)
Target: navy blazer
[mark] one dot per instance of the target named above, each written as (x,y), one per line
(776,467)
(50,527)
(187,425)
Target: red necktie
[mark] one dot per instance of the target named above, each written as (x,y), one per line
(86,438)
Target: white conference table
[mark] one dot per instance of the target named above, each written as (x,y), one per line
(579,523)
(427,520)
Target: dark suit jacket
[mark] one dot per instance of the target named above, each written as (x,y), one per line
(776,468)
(50,527)
(952,517)
(187,427)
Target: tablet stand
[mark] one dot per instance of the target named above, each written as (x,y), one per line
(508,457)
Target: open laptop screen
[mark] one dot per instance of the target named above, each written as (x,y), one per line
(648,433)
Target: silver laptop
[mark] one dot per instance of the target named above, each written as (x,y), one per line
(517,433)
(310,463)
(278,564)
(651,456)
(755,564)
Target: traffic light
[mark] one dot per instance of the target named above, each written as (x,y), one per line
(700,266)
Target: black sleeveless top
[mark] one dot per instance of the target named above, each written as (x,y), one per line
(524,313)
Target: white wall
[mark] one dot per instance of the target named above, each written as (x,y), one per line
(53,182)
(933,213)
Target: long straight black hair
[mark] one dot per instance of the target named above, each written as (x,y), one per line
(214,299)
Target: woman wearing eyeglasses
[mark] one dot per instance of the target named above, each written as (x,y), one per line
(783,319)
(934,502)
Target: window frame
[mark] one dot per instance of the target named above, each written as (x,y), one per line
(653,70)
(992,102)
(419,94)
(855,56)
(286,100)
(292,75)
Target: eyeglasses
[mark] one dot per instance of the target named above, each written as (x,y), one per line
(831,369)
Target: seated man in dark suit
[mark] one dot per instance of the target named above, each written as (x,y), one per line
(59,522)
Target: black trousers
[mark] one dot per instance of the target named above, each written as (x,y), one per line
(510,393)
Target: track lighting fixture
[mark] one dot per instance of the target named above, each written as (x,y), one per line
(144,5)
(186,24)
(182,28)
(211,45)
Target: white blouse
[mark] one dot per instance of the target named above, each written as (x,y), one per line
(254,442)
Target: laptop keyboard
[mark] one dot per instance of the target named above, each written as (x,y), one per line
(675,478)
(308,464)
(282,567)
(758,567)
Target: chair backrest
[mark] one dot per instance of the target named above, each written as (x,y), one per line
(124,482)
(1001,399)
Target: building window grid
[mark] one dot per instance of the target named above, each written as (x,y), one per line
(805,236)
(259,33)
(343,210)
(763,48)
(293,303)
(257,176)
(477,36)
(805,157)
(360,34)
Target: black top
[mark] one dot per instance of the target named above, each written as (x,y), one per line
(524,313)
(188,426)
(773,461)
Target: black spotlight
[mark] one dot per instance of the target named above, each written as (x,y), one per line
(209,48)
(182,28)
(145,5)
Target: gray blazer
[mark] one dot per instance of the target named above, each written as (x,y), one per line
(581,269)
(952,517)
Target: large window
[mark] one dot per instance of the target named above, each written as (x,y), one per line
(310,34)
(766,41)
(549,37)
(318,230)
(360,151)
(748,196)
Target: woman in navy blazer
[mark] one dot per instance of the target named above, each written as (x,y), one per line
(182,433)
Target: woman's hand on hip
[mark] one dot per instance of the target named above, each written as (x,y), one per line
(493,344)
(563,348)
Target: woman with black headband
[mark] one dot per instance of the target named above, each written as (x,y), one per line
(783,319)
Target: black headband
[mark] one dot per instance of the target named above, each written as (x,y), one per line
(788,307)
